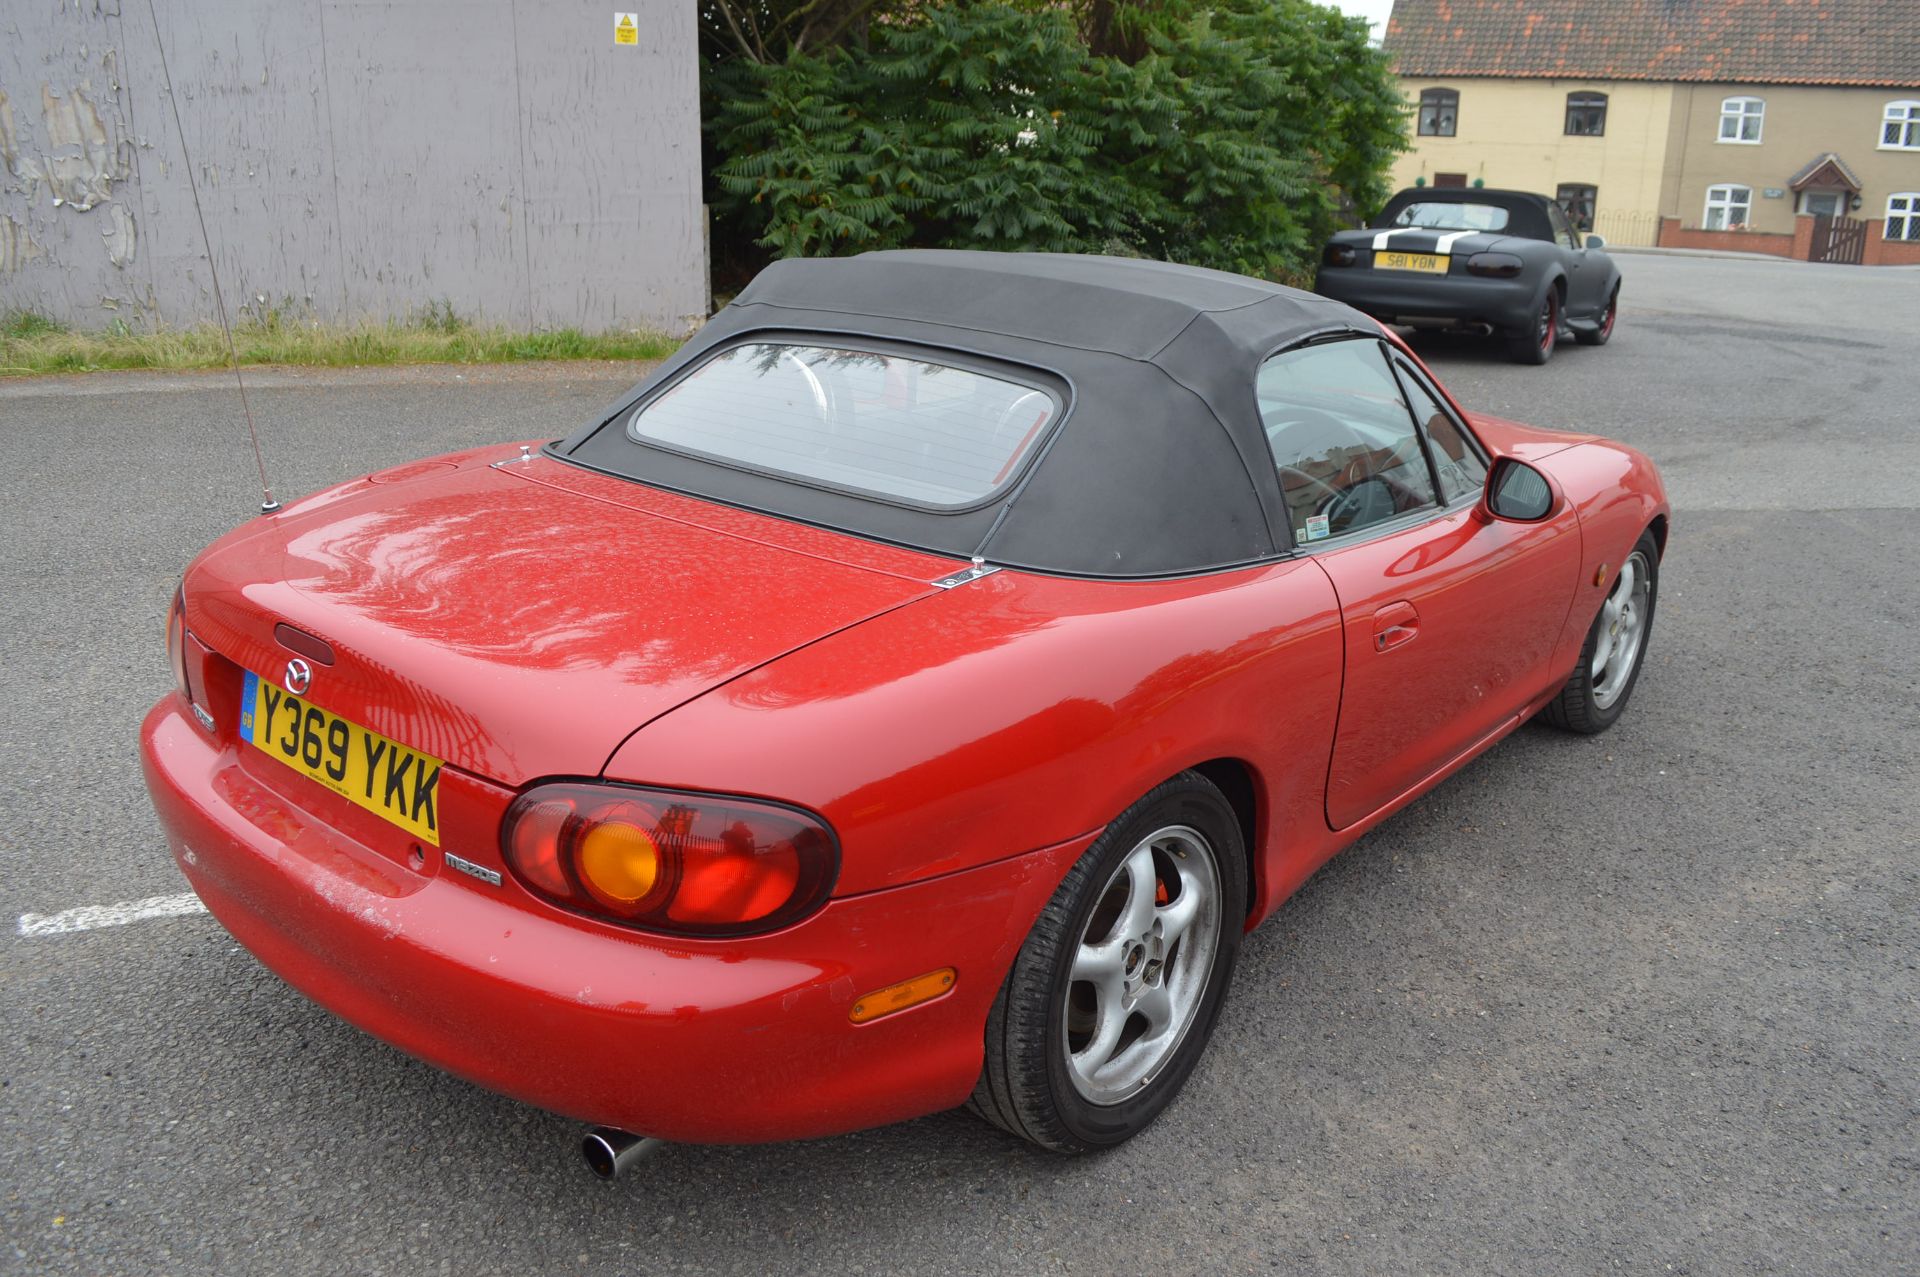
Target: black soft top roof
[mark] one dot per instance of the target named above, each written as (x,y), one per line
(1526,210)
(1160,465)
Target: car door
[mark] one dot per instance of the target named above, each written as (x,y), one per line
(1585,272)
(1449,620)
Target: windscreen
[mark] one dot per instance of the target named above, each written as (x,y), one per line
(1451,215)
(887,425)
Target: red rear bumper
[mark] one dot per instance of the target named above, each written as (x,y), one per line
(708,1041)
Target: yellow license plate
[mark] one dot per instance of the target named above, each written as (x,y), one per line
(365,768)
(1410,261)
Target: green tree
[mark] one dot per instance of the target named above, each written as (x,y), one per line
(764,31)
(1231,134)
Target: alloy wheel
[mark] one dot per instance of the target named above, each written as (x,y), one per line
(1623,627)
(1140,973)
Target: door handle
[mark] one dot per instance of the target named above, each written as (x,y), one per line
(1393,636)
(1395,625)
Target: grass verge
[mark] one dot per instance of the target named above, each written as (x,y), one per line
(32,345)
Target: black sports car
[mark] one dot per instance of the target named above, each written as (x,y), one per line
(1507,263)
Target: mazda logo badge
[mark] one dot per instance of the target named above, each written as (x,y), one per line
(299,676)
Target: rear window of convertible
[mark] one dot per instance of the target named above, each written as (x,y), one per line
(889,425)
(1447,215)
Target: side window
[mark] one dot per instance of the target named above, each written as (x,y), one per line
(1456,463)
(1343,442)
(1563,232)
(1577,200)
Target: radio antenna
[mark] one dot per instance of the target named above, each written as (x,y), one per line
(267,504)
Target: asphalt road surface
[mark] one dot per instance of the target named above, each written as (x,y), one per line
(1643,1002)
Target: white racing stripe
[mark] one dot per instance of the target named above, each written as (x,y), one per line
(1442,246)
(91,917)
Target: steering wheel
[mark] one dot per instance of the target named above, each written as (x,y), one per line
(1368,501)
(1323,491)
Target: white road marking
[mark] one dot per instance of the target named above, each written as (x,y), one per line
(91,917)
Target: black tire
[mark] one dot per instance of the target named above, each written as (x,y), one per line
(1535,343)
(1600,335)
(1582,705)
(1027,1086)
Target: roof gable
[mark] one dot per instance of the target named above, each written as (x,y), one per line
(1841,42)
(1827,169)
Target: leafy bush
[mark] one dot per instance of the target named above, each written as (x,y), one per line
(1236,136)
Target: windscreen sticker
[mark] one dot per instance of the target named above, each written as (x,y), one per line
(1316,526)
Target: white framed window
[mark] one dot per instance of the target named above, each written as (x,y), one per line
(1824,203)
(1903,216)
(1740,120)
(1728,208)
(1900,127)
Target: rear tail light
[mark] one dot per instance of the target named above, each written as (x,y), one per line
(1496,265)
(1339,255)
(690,864)
(177,642)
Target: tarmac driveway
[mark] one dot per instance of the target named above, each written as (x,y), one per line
(1645,1001)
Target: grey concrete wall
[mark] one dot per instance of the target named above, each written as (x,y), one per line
(355,158)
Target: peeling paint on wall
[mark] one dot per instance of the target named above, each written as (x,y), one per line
(16,246)
(119,234)
(354,162)
(79,167)
(9,143)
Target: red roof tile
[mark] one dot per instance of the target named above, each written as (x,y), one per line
(1864,42)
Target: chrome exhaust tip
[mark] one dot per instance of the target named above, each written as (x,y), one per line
(609,1152)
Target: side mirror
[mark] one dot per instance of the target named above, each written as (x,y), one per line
(1594,241)
(1517,492)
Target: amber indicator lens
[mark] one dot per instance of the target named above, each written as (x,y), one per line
(619,860)
(691,864)
(898,997)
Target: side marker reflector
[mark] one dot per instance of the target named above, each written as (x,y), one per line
(898,997)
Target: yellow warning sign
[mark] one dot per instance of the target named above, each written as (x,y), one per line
(626,28)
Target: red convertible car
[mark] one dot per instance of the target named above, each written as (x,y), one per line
(907,697)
